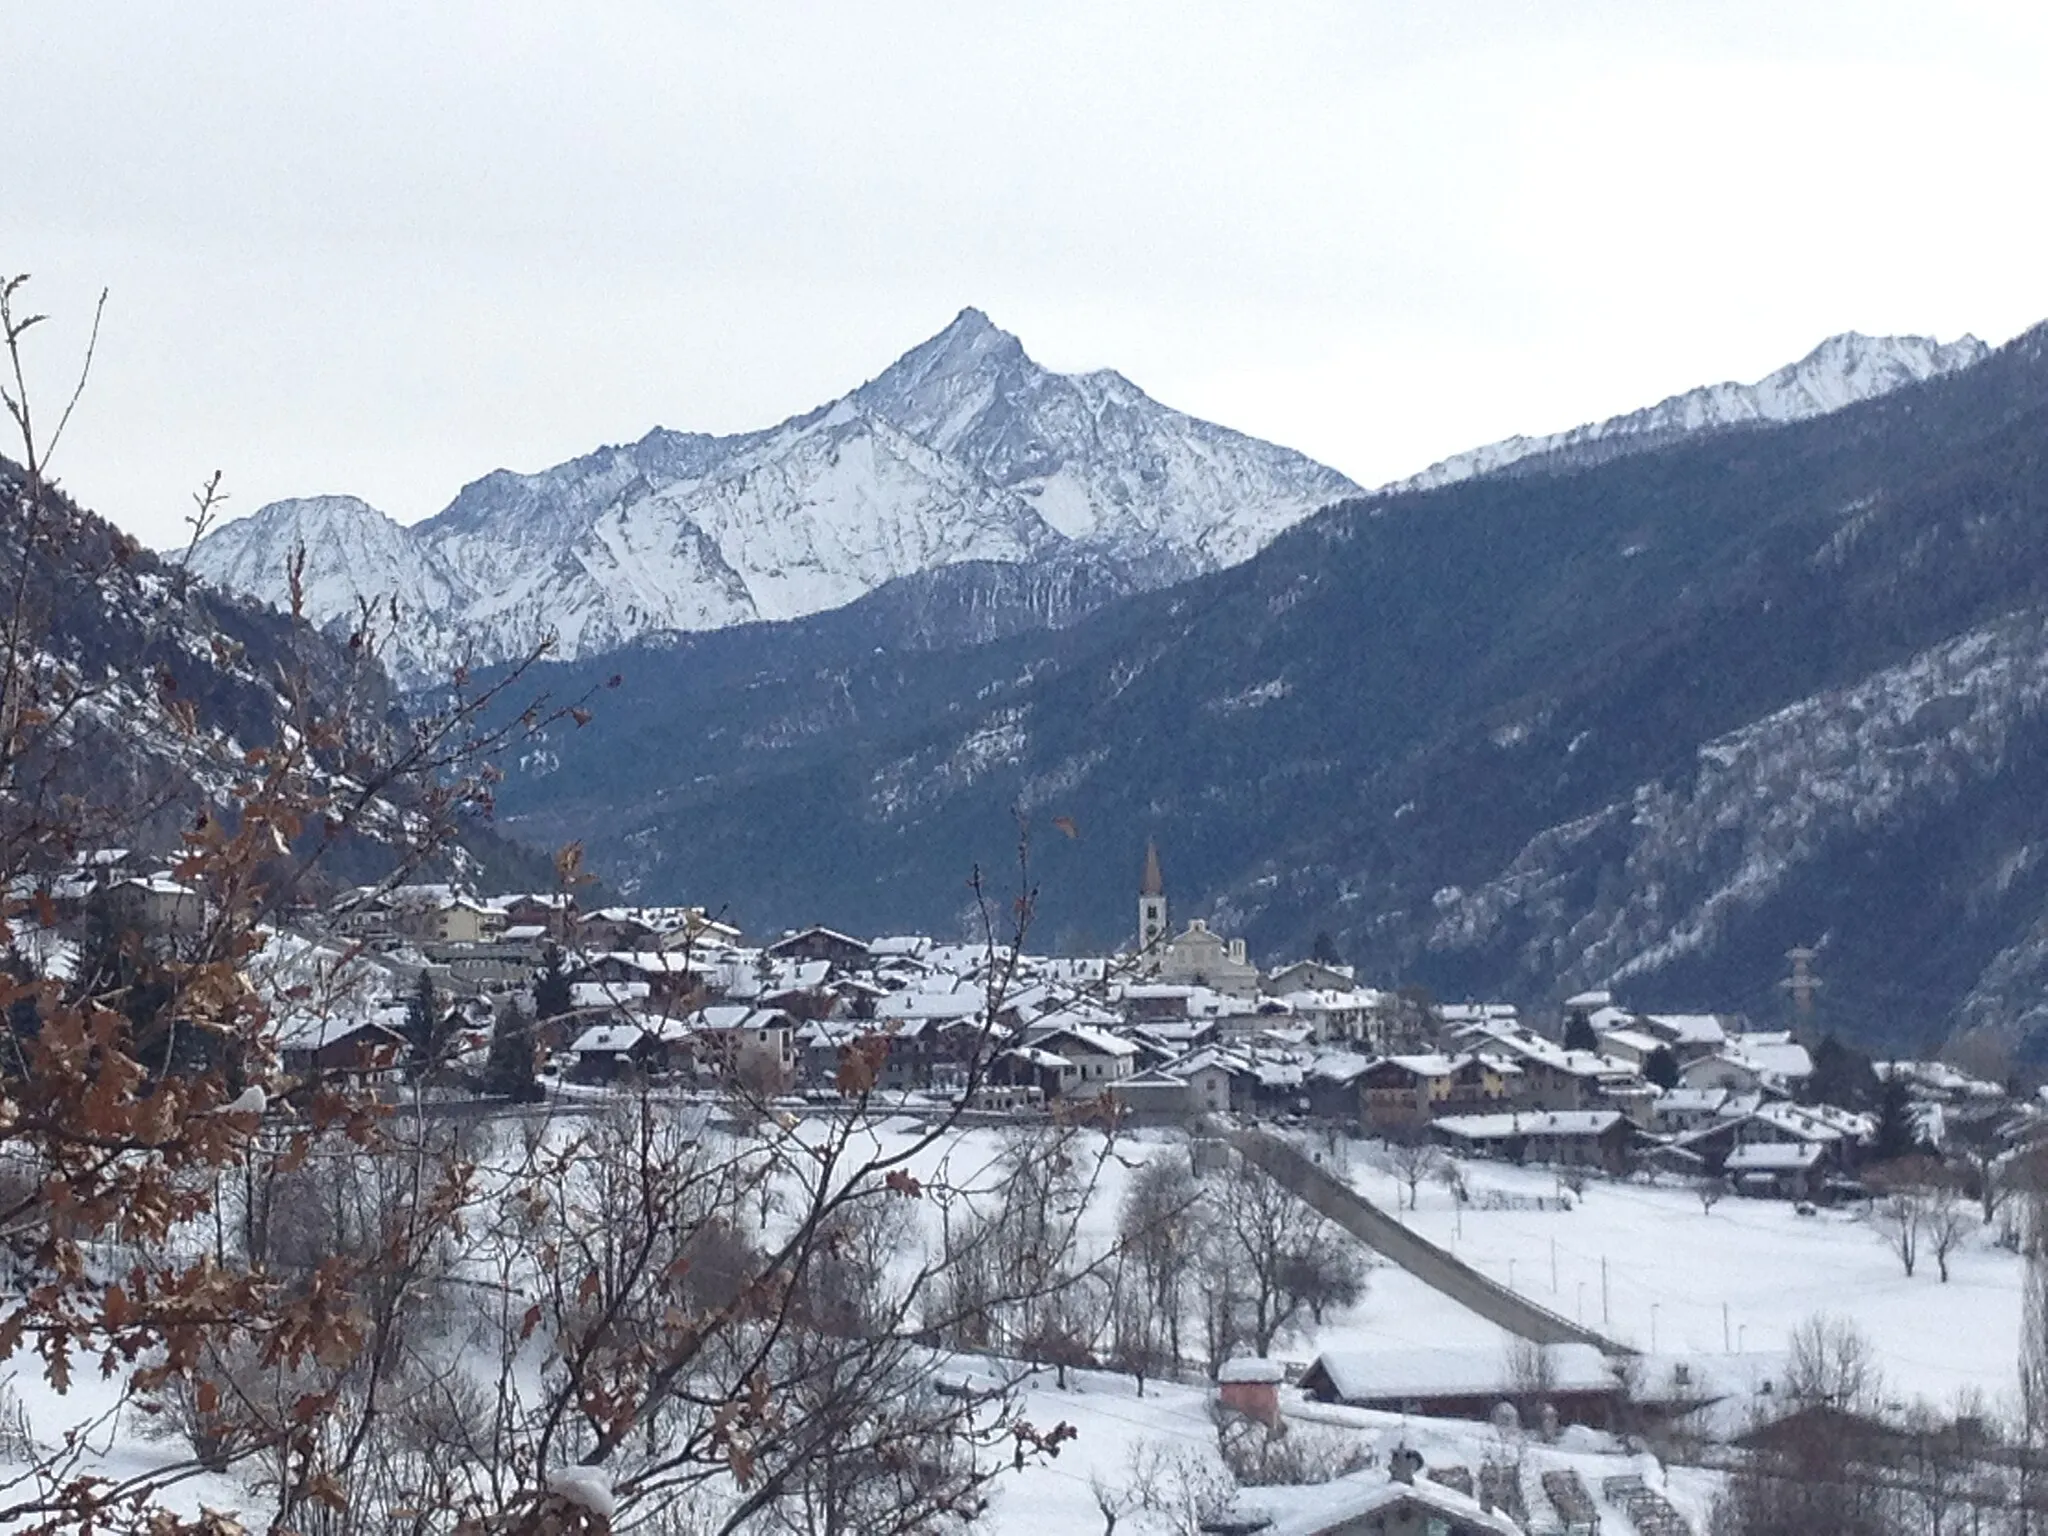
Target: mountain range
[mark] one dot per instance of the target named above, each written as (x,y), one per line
(963,452)
(1648,721)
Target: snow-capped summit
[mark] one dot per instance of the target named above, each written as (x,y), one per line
(1839,372)
(1101,461)
(962,450)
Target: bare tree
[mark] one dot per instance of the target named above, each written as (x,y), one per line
(1948,1221)
(1272,1253)
(1900,1218)
(1830,1361)
(1414,1158)
(1159,1226)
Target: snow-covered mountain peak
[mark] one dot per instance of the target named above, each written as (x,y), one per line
(1841,371)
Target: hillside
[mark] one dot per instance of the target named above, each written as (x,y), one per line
(1656,719)
(157,686)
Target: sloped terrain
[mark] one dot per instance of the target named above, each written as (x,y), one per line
(157,685)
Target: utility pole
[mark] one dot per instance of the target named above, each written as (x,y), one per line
(1603,1290)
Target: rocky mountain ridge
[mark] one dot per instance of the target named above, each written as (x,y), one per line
(1841,371)
(965,450)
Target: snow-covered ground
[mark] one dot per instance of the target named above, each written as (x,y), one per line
(1674,1272)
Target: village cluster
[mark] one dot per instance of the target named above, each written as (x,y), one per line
(1179,1027)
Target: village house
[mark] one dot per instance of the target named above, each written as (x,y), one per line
(1570,1138)
(1154,1096)
(157,904)
(1097,1057)
(842,951)
(1470,1382)
(1308,976)
(1393,1502)
(624,1050)
(755,1045)
(1398,1093)
(331,1046)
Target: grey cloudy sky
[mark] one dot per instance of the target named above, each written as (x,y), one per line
(383,248)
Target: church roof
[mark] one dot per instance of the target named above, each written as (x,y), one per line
(1154,883)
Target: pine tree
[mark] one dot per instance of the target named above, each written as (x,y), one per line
(551,995)
(427,1021)
(1897,1135)
(509,1073)
(1661,1068)
(1578,1032)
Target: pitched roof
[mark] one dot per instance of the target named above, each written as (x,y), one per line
(1456,1371)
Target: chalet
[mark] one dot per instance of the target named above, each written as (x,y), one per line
(1154,1096)
(157,904)
(328,1046)
(1379,1503)
(931,1052)
(669,977)
(1156,1002)
(1688,1034)
(619,1051)
(616,928)
(1098,1058)
(1331,1084)
(1722,1070)
(1219,1080)
(1679,1110)
(1790,1170)
(1835,1134)
(1047,1073)
(1552,1077)
(758,1045)
(1397,1093)
(842,951)
(1308,976)
(1584,1138)
(459,920)
(1333,1015)
(1470,1382)
(547,914)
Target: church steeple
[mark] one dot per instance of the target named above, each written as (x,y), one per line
(1151,903)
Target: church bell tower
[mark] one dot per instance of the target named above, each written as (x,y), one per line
(1151,904)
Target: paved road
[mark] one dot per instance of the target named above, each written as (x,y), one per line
(1428,1263)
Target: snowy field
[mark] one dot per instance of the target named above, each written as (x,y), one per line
(1676,1274)
(1674,1278)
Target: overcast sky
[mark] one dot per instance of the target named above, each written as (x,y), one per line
(384,248)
